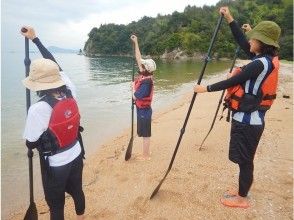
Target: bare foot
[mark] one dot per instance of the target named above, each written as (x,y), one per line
(143,158)
(235,201)
(80,217)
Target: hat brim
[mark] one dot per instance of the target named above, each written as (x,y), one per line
(146,64)
(37,86)
(253,34)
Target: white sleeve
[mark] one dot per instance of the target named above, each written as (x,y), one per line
(69,84)
(37,121)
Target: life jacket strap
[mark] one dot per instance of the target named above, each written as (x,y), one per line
(263,108)
(237,98)
(226,106)
(81,129)
(60,150)
(50,147)
(269,97)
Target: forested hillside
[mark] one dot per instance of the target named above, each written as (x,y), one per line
(191,30)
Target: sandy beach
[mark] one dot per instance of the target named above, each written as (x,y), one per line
(116,189)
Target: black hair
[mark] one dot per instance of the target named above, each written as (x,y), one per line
(61,89)
(268,49)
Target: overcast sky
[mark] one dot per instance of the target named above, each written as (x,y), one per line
(67,23)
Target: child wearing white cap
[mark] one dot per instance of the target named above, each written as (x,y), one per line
(142,94)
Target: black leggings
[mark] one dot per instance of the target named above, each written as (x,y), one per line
(245,178)
(243,145)
(67,178)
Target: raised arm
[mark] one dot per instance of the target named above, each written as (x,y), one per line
(237,31)
(137,52)
(30,34)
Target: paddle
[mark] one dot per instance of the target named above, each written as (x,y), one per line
(191,106)
(31,213)
(221,99)
(130,146)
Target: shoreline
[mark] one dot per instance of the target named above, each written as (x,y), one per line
(116,189)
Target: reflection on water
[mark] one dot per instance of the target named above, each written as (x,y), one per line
(104,97)
(109,70)
(172,74)
(169,74)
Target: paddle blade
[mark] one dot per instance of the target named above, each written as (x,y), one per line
(31,213)
(201,145)
(156,189)
(129,149)
(159,185)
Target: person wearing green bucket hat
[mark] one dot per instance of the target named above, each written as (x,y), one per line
(267,32)
(251,92)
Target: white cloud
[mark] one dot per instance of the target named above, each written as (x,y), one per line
(67,23)
(124,15)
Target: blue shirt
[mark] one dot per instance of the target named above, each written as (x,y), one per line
(142,92)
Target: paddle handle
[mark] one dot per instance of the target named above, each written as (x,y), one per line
(24,30)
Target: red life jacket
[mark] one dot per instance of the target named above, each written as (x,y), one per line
(63,128)
(146,101)
(235,95)
(65,121)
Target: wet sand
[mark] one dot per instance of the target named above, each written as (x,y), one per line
(116,189)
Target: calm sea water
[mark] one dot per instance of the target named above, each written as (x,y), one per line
(103,88)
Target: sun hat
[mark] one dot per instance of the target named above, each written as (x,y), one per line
(267,32)
(149,65)
(44,74)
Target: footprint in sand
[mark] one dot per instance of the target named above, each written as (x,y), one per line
(168,196)
(104,214)
(190,173)
(121,178)
(140,205)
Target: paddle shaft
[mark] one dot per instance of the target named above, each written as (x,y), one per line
(191,104)
(133,78)
(130,145)
(221,98)
(30,153)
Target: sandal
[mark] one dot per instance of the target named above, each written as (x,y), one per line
(234,202)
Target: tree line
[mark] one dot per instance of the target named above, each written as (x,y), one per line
(191,30)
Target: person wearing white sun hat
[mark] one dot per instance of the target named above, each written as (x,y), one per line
(143,94)
(53,127)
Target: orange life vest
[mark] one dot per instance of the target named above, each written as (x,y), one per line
(146,101)
(235,95)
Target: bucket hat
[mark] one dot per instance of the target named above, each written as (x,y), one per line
(44,74)
(268,32)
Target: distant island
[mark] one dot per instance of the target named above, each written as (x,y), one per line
(54,49)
